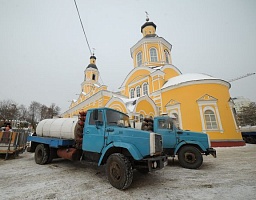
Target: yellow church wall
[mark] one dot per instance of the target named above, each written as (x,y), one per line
(169,73)
(157,82)
(187,96)
(145,108)
(144,49)
(134,55)
(137,75)
(118,106)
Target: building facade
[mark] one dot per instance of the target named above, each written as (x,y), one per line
(154,86)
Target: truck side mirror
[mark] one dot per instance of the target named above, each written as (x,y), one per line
(95,114)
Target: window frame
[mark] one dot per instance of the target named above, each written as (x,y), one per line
(138,94)
(210,124)
(132,92)
(139,58)
(153,54)
(145,86)
(167,54)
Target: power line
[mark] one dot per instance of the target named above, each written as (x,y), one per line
(240,77)
(83,28)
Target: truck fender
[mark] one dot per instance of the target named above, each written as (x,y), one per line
(194,143)
(130,147)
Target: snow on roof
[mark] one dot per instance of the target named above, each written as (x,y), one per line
(130,103)
(83,93)
(187,78)
(74,100)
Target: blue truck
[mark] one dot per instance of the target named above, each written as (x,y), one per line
(101,135)
(187,145)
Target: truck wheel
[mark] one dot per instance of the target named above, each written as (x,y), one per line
(119,171)
(41,154)
(190,157)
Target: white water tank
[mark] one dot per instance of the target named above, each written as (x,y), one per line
(63,128)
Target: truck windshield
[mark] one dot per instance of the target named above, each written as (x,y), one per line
(115,118)
(165,124)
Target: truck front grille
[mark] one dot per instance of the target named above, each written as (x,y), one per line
(158,143)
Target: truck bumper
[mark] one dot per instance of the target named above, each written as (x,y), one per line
(156,163)
(211,151)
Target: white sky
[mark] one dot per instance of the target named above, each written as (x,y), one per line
(43,52)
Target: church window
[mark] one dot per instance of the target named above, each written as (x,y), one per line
(139,59)
(166,52)
(93,77)
(138,91)
(153,55)
(141,118)
(145,89)
(176,120)
(132,93)
(210,120)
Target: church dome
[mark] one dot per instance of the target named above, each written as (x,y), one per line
(92,66)
(92,63)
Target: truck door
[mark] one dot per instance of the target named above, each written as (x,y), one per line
(94,134)
(165,128)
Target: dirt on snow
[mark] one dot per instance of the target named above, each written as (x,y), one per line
(232,175)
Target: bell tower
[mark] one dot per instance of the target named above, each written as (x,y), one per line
(91,76)
(151,50)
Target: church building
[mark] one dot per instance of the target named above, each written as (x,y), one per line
(154,86)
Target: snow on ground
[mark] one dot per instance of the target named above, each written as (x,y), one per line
(232,175)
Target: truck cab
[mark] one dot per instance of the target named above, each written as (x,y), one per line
(189,146)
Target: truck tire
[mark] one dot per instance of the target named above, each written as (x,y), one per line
(119,171)
(190,157)
(41,154)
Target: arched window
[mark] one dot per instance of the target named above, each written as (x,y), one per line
(139,59)
(210,120)
(138,91)
(141,118)
(176,120)
(145,89)
(166,52)
(93,77)
(153,55)
(132,93)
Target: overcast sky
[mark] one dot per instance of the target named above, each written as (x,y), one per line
(43,52)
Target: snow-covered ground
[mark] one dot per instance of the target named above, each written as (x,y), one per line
(232,175)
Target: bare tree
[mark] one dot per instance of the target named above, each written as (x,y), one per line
(44,112)
(8,110)
(247,115)
(23,112)
(34,113)
(54,110)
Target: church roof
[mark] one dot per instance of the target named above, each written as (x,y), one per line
(187,78)
(148,24)
(92,66)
